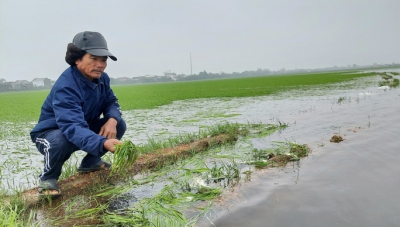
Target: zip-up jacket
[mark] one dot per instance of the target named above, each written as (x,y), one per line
(73,104)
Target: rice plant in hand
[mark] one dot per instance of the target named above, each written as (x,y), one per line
(125,155)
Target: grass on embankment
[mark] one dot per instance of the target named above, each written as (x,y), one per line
(25,106)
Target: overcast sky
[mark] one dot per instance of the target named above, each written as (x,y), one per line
(152,37)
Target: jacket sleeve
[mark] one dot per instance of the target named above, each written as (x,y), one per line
(71,121)
(112,109)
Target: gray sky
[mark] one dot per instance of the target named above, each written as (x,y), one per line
(151,37)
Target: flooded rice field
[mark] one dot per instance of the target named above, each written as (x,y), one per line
(351,183)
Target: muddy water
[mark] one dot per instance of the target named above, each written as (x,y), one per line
(352,183)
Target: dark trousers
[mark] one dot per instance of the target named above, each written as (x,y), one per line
(56,149)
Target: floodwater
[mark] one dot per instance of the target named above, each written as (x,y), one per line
(352,183)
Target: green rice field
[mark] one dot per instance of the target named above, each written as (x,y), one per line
(25,106)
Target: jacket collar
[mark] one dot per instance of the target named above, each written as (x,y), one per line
(86,81)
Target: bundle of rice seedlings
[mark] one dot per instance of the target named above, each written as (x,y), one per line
(125,155)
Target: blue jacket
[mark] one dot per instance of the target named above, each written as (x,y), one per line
(73,104)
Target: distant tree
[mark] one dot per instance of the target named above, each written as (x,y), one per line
(2,80)
(203,75)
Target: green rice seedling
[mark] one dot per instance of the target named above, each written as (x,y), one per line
(232,170)
(247,175)
(161,215)
(383,83)
(164,209)
(262,130)
(90,212)
(69,168)
(228,172)
(280,155)
(77,209)
(72,203)
(113,191)
(216,173)
(133,219)
(389,81)
(386,77)
(230,129)
(282,125)
(261,163)
(261,154)
(395,83)
(183,138)
(13,212)
(125,156)
(204,193)
(341,99)
(293,150)
(259,157)
(298,150)
(156,211)
(193,220)
(13,216)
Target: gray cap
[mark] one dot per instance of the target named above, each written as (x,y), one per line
(92,42)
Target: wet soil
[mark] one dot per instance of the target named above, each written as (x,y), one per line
(336,139)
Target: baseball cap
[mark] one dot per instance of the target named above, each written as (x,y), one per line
(92,42)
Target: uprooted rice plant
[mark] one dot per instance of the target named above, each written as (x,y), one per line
(124,156)
(280,155)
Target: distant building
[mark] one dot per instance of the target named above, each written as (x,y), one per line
(21,85)
(170,75)
(5,86)
(136,78)
(41,82)
(123,80)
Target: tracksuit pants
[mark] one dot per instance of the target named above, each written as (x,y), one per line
(56,149)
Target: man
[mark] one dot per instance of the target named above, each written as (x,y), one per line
(70,115)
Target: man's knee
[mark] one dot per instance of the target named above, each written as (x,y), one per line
(55,141)
(121,128)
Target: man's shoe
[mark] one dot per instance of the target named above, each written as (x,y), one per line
(98,166)
(49,188)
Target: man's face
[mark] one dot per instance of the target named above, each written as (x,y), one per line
(91,66)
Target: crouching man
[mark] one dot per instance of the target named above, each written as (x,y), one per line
(81,112)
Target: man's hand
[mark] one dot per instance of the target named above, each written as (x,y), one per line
(109,129)
(110,144)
